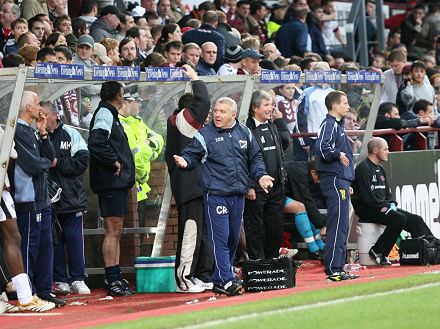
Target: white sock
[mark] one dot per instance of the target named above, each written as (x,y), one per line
(22,285)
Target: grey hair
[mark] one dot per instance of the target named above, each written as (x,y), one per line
(258,96)
(16,10)
(228,101)
(26,99)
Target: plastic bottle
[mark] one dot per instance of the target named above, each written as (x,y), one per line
(354,267)
(100,223)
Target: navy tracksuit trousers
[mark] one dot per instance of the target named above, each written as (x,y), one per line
(224,215)
(336,192)
(36,248)
(70,238)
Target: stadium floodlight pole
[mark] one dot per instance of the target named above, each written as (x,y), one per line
(362,35)
(14,109)
(380,25)
(374,109)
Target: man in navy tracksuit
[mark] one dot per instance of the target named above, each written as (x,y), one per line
(29,189)
(229,155)
(334,159)
(72,160)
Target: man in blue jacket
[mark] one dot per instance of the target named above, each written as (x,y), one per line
(72,160)
(111,176)
(29,189)
(334,160)
(229,155)
(206,32)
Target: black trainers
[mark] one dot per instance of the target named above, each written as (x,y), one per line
(51,298)
(378,258)
(125,284)
(229,289)
(341,276)
(118,288)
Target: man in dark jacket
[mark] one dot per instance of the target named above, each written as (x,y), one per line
(334,159)
(229,155)
(105,26)
(111,176)
(206,32)
(297,27)
(373,203)
(28,175)
(193,255)
(72,160)
(265,211)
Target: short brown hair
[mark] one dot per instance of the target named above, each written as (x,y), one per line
(29,53)
(397,55)
(333,98)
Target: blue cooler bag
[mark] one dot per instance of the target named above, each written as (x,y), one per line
(155,274)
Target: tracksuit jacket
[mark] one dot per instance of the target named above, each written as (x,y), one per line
(332,140)
(181,128)
(108,144)
(28,173)
(72,161)
(229,157)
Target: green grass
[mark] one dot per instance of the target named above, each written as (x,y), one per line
(404,310)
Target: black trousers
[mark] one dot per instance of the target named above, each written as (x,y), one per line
(395,222)
(263,223)
(194,257)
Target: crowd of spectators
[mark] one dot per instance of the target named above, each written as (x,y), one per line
(229,37)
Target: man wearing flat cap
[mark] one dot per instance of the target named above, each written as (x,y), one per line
(250,62)
(105,26)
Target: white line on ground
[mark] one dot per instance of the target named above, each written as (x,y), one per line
(31,314)
(308,306)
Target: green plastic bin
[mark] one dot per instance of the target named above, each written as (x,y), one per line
(155,274)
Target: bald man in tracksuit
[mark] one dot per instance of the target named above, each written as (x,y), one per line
(334,160)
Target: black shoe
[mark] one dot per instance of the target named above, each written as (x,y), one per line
(341,276)
(125,284)
(378,258)
(317,255)
(51,298)
(117,288)
(233,289)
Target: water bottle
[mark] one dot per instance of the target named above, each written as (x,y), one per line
(100,223)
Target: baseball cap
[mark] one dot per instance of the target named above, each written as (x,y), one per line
(251,53)
(278,6)
(233,54)
(132,96)
(110,9)
(86,40)
(138,11)
(99,50)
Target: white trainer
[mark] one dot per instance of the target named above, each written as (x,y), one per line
(79,287)
(191,290)
(286,252)
(3,305)
(62,288)
(207,285)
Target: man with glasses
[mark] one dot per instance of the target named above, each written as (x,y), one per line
(10,12)
(207,60)
(112,174)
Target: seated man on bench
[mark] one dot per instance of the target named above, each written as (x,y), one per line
(372,202)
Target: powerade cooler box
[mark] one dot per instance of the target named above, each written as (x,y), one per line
(155,274)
